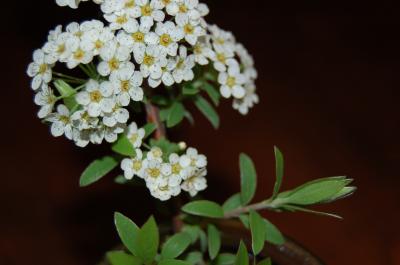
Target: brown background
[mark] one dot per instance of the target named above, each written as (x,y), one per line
(329,99)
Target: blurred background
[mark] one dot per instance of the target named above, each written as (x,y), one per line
(329,89)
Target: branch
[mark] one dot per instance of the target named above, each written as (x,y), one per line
(153,116)
(264,205)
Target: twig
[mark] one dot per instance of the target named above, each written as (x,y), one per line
(153,116)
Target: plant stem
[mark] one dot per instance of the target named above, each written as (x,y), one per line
(153,116)
(267,204)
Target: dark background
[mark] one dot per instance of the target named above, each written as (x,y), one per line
(329,88)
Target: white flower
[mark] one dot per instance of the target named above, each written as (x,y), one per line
(192,30)
(165,192)
(61,122)
(135,135)
(151,62)
(70,3)
(184,66)
(177,171)
(232,82)
(195,183)
(166,78)
(222,40)
(53,34)
(46,99)
(39,70)
(202,51)
(120,20)
(79,56)
(94,40)
(114,56)
(148,12)
(183,9)
(155,154)
(193,159)
(222,58)
(127,82)
(118,115)
(97,98)
(110,6)
(166,36)
(83,121)
(57,48)
(134,166)
(248,101)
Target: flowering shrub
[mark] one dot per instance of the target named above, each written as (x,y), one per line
(94,81)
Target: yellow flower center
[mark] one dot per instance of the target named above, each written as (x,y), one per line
(166,2)
(153,172)
(198,49)
(114,64)
(166,188)
(188,29)
(61,48)
(221,57)
(137,165)
(78,34)
(121,19)
(157,152)
(176,168)
(165,40)
(138,36)
(148,60)
(79,54)
(98,44)
(125,85)
(64,119)
(180,63)
(134,138)
(130,4)
(220,41)
(95,96)
(42,68)
(231,81)
(146,10)
(183,8)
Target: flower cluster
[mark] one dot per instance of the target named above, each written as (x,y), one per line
(165,177)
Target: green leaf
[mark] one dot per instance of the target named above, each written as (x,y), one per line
(128,232)
(123,146)
(173,262)
(232,203)
(148,241)
(120,180)
(203,240)
(175,245)
(242,256)
(316,191)
(265,262)
(212,93)
(190,90)
(301,209)
(149,128)
(224,259)
(248,178)
(272,233)
(279,166)
(122,258)
(160,100)
(164,113)
(244,218)
(195,257)
(192,231)
(96,170)
(207,110)
(67,92)
(345,192)
(176,114)
(257,228)
(204,208)
(214,241)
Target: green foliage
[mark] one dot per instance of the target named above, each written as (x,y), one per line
(248,178)
(127,231)
(123,146)
(224,259)
(194,257)
(175,245)
(265,262)
(67,93)
(204,208)
(207,110)
(257,228)
(149,128)
(214,241)
(173,262)
(232,203)
(279,165)
(166,146)
(272,233)
(242,256)
(212,93)
(96,170)
(176,114)
(147,241)
(316,191)
(122,258)
(190,90)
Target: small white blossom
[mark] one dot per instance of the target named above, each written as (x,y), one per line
(183,9)
(94,39)
(114,57)
(155,154)
(152,62)
(39,70)
(83,121)
(118,115)
(184,66)
(134,166)
(232,82)
(135,135)
(97,98)
(203,52)
(192,30)
(166,37)
(61,122)
(195,183)
(46,99)
(127,82)
(248,101)
(148,11)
